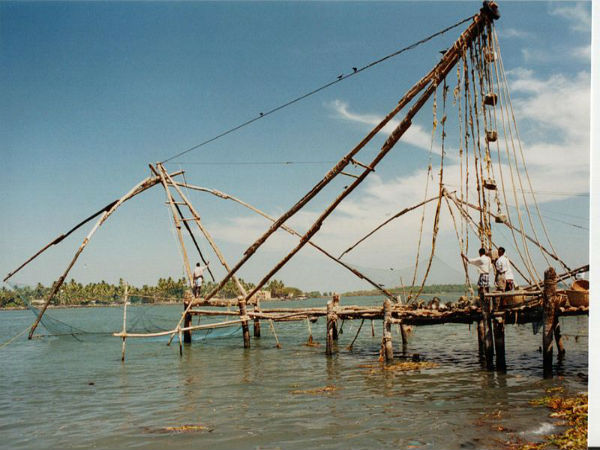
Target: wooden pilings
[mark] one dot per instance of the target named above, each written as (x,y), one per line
(125,298)
(499,344)
(330,324)
(187,320)
(336,304)
(488,338)
(387,348)
(480,338)
(256,323)
(549,319)
(244,317)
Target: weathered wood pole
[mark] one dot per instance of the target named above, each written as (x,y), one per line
(125,298)
(404,338)
(558,337)
(187,321)
(549,319)
(256,323)
(179,335)
(330,324)
(480,336)
(336,304)
(488,338)
(499,344)
(386,343)
(244,318)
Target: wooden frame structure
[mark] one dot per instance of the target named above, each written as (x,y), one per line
(543,304)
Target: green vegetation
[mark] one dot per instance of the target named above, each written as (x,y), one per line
(103,293)
(430,289)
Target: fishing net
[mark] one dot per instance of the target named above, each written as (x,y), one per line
(103,319)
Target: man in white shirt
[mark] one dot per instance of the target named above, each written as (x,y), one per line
(484,267)
(199,277)
(505,280)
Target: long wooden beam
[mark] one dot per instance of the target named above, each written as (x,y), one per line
(486,15)
(290,231)
(395,216)
(449,60)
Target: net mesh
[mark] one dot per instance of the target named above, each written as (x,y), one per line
(85,322)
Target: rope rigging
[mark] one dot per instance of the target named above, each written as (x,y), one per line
(355,71)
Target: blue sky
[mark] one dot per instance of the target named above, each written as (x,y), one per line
(94,91)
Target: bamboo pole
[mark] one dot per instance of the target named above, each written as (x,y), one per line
(356,336)
(171,332)
(549,319)
(440,71)
(186,261)
(395,216)
(137,189)
(208,237)
(125,298)
(204,231)
(290,231)
(189,230)
(278,345)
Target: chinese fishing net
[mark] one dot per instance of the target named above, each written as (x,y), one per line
(102,319)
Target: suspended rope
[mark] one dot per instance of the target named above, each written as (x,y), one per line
(526,258)
(436,219)
(503,91)
(462,249)
(429,167)
(340,78)
(502,71)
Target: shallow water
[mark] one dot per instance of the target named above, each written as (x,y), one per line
(69,393)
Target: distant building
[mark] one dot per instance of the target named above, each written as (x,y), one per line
(263,295)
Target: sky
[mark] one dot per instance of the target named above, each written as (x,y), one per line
(92,92)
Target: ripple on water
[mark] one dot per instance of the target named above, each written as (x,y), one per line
(272,398)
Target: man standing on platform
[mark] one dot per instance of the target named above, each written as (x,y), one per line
(484,267)
(199,277)
(505,280)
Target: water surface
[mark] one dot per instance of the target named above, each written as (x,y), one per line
(76,393)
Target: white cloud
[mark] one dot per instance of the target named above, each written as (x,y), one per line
(514,33)
(415,135)
(584,52)
(578,14)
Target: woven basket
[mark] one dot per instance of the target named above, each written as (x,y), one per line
(578,298)
(510,302)
(581,285)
